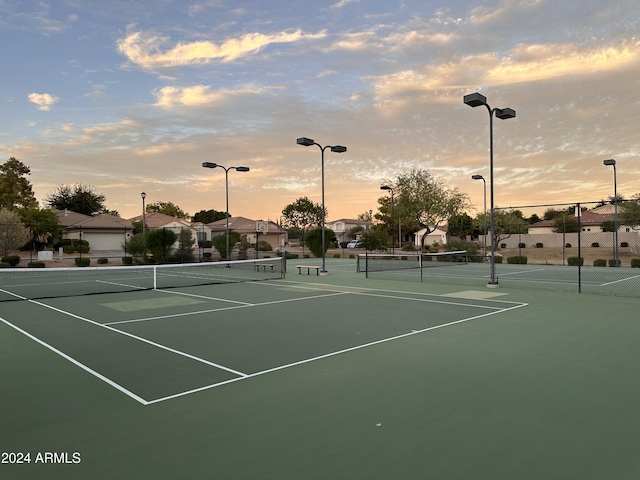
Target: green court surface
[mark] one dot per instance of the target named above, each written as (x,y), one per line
(321,377)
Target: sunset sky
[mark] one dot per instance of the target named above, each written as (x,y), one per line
(132,96)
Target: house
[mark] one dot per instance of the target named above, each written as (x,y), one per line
(343,226)
(590,221)
(103,232)
(275,235)
(438,235)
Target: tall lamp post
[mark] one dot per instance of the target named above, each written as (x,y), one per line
(144,226)
(611,162)
(307,142)
(389,188)
(476,100)
(226,182)
(484,217)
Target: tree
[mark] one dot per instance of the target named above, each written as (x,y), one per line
(506,223)
(167,208)
(77,198)
(209,216)
(314,240)
(43,224)
(629,212)
(159,243)
(220,243)
(565,223)
(13,234)
(460,225)
(302,214)
(427,200)
(375,238)
(184,251)
(15,190)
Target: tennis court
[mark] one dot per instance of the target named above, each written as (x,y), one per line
(305,376)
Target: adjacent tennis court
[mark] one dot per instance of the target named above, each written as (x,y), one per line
(220,374)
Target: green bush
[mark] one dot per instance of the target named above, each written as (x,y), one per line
(575,261)
(68,249)
(264,246)
(82,248)
(5,265)
(517,259)
(83,261)
(498,259)
(12,260)
(36,265)
(336,255)
(102,261)
(539,245)
(635,262)
(600,262)
(205,244)
(595,245)
(614,263)
(127,260)
(292,255)
(568,245)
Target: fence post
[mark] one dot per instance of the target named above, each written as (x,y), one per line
(579,249)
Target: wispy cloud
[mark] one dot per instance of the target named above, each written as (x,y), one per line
(148,51)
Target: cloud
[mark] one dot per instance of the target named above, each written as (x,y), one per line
(146,49)
(44,101)
(196,95)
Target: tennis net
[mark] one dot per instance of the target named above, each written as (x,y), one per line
(37,283)
(408,264)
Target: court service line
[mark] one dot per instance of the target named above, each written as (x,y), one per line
(338,352)
(618,281)
(84,367)
(144,340)
(221,309)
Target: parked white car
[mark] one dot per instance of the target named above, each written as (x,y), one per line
(354,244)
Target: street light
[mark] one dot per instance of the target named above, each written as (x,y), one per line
(226,182)
(307,142)
(144,226)
(389,188)
(476,100)
(612,163)
(484,231)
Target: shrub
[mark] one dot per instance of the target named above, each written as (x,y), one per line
(292,255)
(635,262)
(517,259)
(352,255)
(614,263)
(575,261)
(68,249)
(264,246)
(83,261)
(568,245)
(12,260)
(498,259)
(36,265)
(127,260)
(102,261)
(205,244)
(600,262)
(82,248)
(624,244)
(522,245)
(336,255)
(5,265)
(539,245)
(595,244)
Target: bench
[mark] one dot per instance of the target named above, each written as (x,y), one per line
(265,265)
(309,268)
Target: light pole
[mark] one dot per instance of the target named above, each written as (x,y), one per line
(307,142)
(484,217)
(611,162)
(144,226)
(226,182)
(476,100)
(389,188)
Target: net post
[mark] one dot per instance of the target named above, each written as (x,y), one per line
(155,277)
(366,263)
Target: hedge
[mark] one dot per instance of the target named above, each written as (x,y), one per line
(36,265)
(595,244)
(600,262)
(102,261)
(614,263)
(83,261)
(635,262)
(4,265)
(517,259)
(539,245)
(127,260)
(12,260)
(575,261)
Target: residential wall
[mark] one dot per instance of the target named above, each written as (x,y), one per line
(558,240)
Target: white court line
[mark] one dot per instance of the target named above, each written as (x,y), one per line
(221,309)
(522,271)
(618,281)
(78,364)
(143,340)
(332,354)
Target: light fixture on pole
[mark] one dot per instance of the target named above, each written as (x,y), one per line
(144,226)
(307,142)
(389,188)
(484,217)
(612,163)
(226,182)
(476,100)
